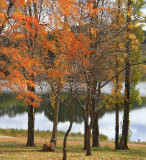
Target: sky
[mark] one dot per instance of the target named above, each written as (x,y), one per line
(144,13)
(144,9)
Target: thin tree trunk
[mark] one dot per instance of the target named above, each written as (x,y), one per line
(69,129)
(117,110)
(90,112)
(117,105)
(117,127)
(86,118)
(85,134)
(87,108)
(55,122)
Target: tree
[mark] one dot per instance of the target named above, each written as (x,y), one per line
(69,63)
(56,112)
(118,48)
(131,42)
(30,28)
(26,35)
(103,48)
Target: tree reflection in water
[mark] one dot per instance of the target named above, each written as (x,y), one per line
(10,106)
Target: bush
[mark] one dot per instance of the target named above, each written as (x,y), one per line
(13,132)
(103,137)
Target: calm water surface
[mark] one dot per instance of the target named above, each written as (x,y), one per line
(13,114)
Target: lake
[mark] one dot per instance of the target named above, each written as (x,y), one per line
(13,114)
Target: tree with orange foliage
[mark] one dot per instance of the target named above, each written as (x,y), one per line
(26,35)
(67,67)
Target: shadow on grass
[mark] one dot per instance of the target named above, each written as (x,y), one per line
(14,147)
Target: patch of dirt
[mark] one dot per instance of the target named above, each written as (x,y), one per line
(17,139)
(4,138)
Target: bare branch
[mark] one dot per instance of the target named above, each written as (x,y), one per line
(134,64)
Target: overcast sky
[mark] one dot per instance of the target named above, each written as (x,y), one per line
(144,9)
(144,13)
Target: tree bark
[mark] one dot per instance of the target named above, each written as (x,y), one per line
(117,106)
(69,129)
(31,117)
(87,109)
(95,131)
(88,153)
(85,134)
(95,127)
(90,124)
(30,135)
(86,117)
(124,138)
(117,127)
(55,122)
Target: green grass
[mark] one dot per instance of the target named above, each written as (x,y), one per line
(17,150)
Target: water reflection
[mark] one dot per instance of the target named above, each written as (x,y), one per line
(13,114)
(12,107)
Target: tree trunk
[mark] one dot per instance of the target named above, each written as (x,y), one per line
(125,129)
(90,125)
(69,129)
(30,135)
(117,127)
(117,105)
(85,135)
(124,138)
(31,117)
(95,127)
(88,153)
(95,131)
(117,108)
(87,108)
(86,118)
(55,123)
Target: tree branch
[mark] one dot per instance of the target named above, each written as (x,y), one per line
(134,64)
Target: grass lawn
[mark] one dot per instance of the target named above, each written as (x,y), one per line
(13,148)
